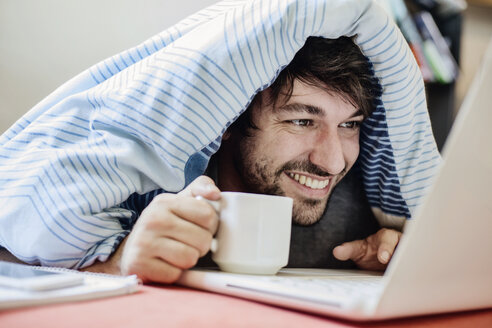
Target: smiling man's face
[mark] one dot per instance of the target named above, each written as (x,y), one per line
(301,149)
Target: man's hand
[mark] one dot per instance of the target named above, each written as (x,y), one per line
(372,253)
(171,234)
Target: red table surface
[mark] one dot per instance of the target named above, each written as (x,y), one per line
(171,306)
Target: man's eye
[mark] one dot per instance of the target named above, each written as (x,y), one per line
(301,122)
(351,125)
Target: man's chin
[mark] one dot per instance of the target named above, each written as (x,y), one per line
(306,221)
(308,211)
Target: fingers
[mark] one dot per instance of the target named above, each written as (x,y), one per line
(387,240)
(159,252)
(190,209)
(138,257)
(354,250)
(153,270)
(202,186)
(176,253)
(372,253)
(172,233)
(161,259)
(185,219)
(187,233)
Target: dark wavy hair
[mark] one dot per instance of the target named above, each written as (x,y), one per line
(335,65)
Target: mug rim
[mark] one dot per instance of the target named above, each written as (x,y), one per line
(251,194)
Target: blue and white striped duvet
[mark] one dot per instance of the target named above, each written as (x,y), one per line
(151,117)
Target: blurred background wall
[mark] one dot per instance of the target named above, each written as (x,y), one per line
(45,43)
(476,35)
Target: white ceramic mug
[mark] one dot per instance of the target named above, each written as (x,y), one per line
(254,232)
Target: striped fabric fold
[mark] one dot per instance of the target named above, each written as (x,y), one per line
(150,117)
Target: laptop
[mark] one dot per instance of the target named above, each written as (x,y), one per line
(444,260)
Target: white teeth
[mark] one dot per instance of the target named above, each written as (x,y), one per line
(309,182)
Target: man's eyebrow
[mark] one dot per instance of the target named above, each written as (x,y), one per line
(297,107)
(358,112)
(313,110)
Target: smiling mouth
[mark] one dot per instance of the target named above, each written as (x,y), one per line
(309,182)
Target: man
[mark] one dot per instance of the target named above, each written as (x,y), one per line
(102,175)
(298,138)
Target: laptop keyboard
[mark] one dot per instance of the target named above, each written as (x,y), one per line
(347,287)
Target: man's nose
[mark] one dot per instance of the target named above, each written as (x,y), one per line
(327,153)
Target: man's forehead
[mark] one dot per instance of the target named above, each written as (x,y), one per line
(301,99)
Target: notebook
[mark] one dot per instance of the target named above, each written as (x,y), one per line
(444,260)
(90,286)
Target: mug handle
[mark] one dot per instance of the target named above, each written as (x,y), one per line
(216,205)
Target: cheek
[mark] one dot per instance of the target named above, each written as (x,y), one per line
(287,147)
(351,150)
(263,148)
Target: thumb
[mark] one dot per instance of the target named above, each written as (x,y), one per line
(354,250)
(202,186)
